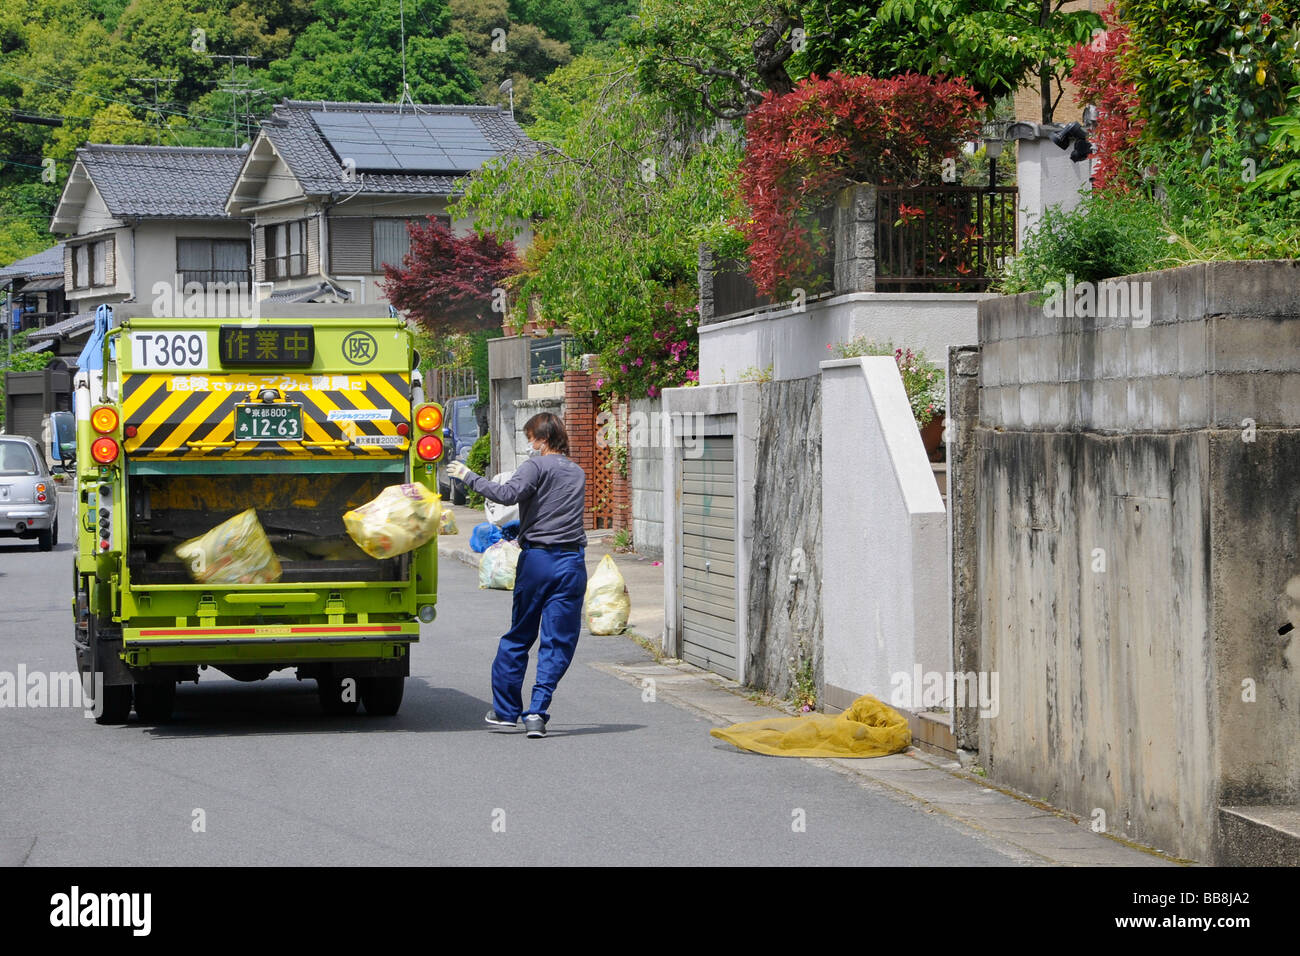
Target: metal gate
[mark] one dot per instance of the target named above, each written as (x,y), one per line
(707,520)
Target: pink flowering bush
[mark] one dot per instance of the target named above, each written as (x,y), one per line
(922,379)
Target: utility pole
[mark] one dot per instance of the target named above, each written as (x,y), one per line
(234,86)
(155,80)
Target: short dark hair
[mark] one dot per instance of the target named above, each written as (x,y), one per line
(550,430)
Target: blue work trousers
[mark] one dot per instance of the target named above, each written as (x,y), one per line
(549,590)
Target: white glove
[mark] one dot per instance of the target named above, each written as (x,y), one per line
(458,469)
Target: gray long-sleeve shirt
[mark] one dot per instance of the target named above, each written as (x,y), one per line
(550,491)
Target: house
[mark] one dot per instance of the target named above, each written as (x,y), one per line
(330,187)
(144,223)
(35,287)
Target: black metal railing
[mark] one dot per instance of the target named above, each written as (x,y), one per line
(214,276)
(943,238)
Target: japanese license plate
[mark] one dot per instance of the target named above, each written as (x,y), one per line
(265,422)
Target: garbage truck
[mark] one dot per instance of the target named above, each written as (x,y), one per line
(183,424)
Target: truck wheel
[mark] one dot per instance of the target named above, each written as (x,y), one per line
(382,695)
(115,707)
(337,698)
(154,703)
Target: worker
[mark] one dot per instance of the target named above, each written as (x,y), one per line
(551,577)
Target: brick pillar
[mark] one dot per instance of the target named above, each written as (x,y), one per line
(622,487)
(580,423)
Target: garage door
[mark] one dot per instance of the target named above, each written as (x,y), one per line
(708,560)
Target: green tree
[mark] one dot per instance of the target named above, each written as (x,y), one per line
(353,51)
(618,203)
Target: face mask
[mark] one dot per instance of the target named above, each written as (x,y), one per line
(533,452)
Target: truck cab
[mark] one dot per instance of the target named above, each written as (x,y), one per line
(193,421)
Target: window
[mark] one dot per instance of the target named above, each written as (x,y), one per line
(16,459)
(392,242)
(286,245)
(361,244)
(92,264)
(212,260)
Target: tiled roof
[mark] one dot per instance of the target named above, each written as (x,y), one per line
(298,140)
(47,262)
(67,327)
(163,182)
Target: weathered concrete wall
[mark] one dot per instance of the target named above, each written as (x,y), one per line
(793,342)
(785,584)
(884,530)
(1138,503)
(645,463)
(963,512)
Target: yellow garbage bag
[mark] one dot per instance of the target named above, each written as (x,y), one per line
(869,728)
(607,603)
(399,519)
(448,523)
(236,551)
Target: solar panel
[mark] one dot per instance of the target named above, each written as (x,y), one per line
(406,142)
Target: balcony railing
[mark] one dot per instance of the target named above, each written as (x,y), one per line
(207,277)
(932,239)
(943,238)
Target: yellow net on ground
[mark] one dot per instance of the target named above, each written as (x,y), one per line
(869,728)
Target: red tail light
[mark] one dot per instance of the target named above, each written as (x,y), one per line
(429,448)
(104,451)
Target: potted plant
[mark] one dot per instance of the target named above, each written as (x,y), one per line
(923,381)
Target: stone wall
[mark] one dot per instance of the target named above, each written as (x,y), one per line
(1137,529)
(785,581)
(963,512)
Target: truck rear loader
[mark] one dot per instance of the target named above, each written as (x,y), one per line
(190,422)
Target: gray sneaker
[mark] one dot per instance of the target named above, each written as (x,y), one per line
(535,725)
(492,718)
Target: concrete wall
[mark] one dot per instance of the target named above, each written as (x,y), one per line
(795,342)
(884,529)
(1135,540)
(645,468)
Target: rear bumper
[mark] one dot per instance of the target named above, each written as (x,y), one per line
(280,644)
(27,519)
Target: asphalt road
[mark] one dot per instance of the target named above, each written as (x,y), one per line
(618,781)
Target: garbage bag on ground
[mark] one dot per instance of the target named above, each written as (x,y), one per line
(496,569)
(399,519)
(869,728)
(484,535)
(448,523)
(236,551)
(607,605)
(501,514)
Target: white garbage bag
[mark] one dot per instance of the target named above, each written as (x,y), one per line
(496,569)
(501,514)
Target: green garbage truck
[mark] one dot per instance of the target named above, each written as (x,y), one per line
(183,424)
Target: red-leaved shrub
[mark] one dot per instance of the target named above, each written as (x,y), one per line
(804,147)
(1102,81)
(446,281)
